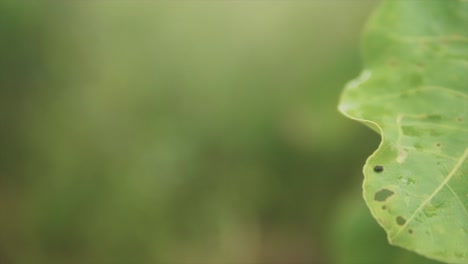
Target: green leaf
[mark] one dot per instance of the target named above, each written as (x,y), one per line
(413,91)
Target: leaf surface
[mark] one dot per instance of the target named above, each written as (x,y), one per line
(413,91)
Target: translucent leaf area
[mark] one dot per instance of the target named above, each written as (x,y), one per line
(413,91)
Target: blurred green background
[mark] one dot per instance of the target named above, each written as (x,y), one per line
(181,132)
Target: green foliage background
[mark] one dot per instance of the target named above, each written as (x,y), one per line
(184,132)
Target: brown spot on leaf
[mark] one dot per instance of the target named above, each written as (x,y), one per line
(393,62)
(400,220)
(423,45)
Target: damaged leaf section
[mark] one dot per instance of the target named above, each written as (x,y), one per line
(400,220)
(383,195)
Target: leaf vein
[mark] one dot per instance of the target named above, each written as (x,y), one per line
(457,198)
(436,191)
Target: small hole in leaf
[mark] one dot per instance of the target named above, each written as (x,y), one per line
(400,220)
(383,195)
(378,168)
